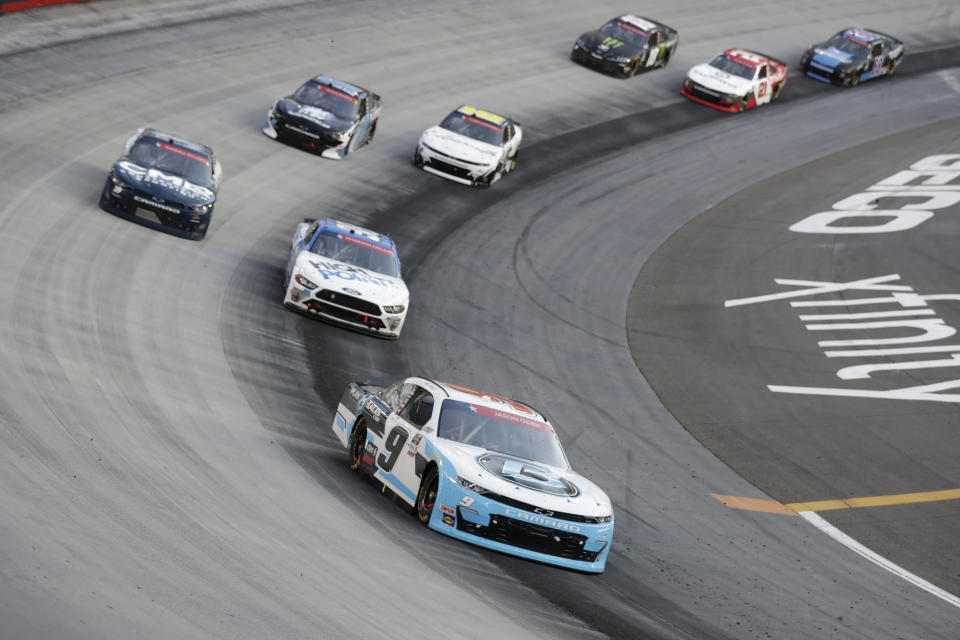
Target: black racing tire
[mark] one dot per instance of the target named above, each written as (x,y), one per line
(666,58)
(373,130)
(358,442)
(777,88)
(743,103)
(892,67)
(427,495)
(855,79)
(638,65)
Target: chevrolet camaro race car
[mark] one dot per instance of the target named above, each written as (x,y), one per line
(470,146)
(477,467)
(852,56)
(347,275)
(325,115)
(736,80)
(164,182)
(626,46)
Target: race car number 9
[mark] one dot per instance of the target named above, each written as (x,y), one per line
(392,447)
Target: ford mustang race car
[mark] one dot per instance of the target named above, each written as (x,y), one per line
(735,80)
(852,56)
(470,146)
(347,275)
(478,467)
(325,115)
(164,182)
(626,46)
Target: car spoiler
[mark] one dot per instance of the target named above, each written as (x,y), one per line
(671,32)
(771,58)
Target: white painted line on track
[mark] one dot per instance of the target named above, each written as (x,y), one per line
(950,79)
(813,518)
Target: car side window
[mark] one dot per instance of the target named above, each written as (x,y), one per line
(876,50)
(391,395)
(654,39)
(309,233)
(362,110)
(419,408)
(763,72)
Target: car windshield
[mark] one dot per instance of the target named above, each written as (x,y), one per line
(625,32)
(731,66)
(472,127)
(500,431)
(340,104)
(856,48)
(169,158)
(356,251)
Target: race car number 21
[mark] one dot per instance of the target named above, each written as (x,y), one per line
(392,445)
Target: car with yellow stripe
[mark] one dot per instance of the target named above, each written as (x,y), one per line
(470,146)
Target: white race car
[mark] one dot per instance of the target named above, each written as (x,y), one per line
(478,467)
(736,80)
(348,275)
(470,146)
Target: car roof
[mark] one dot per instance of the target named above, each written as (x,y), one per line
(491,400)
(747,58)
(339,226)
(351,90)
(638,21)
(862,35)
(487,116)
(178,141)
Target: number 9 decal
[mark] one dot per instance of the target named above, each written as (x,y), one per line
(392,447)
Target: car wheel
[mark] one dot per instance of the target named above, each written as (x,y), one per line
(427,496)
(892,67)
(373,130)
(743,103)
(777,88)
(513,161)
(358,442)
(637,66)
(855,79)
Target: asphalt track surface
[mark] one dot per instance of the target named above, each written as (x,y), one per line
(166,462)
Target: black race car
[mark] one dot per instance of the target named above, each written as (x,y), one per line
(325,115)
(852,56)
(164,182)
(626,46)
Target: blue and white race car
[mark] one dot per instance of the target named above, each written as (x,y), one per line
(478,467)
(852,56)
(347,275)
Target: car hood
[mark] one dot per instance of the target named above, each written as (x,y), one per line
(163,185)
(313,117)
(831,57)
(520,482)
(607,47)
(459,146)
(353,280)
(713,78)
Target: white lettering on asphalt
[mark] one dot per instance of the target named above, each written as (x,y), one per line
(919,330)
(933,181)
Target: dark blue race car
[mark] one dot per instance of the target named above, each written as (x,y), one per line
(164,182)
(326,116)
(852,56)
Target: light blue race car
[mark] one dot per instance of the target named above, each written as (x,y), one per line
(479,467)
(852,56)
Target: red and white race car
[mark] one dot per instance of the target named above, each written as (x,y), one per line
(736,80)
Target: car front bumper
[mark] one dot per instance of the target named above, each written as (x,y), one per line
(594,61)
(128,203)
(469,516)
(326,145)
(369,319)
(474,175)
